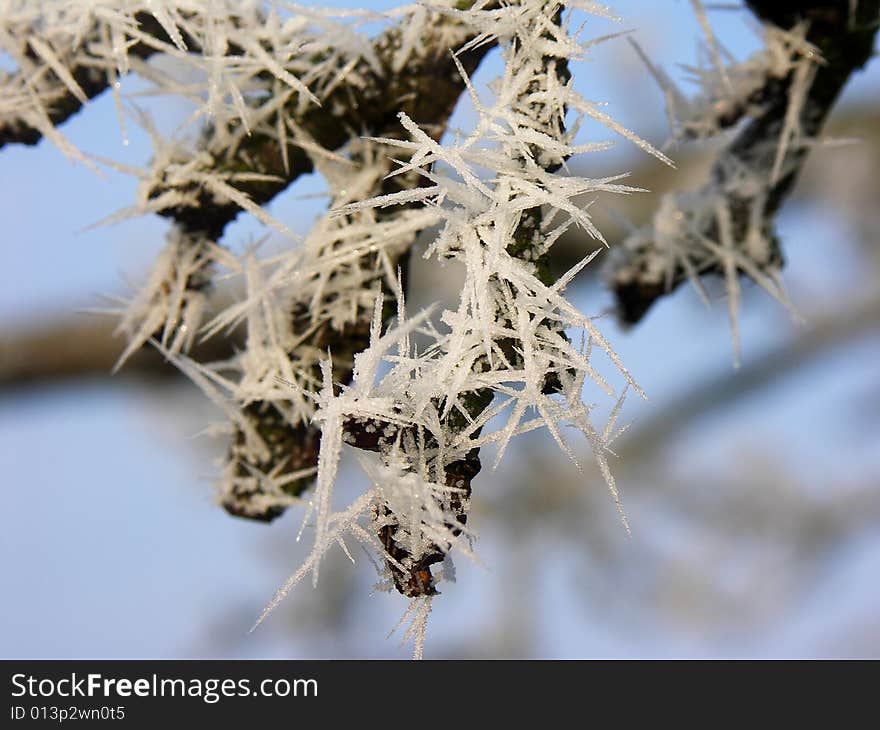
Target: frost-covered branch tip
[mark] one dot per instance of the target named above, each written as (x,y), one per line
(505,350)
(779,98)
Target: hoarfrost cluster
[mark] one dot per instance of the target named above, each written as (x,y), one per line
(505,351)
(725,227)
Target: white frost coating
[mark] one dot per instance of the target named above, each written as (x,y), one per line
(726,92)
(418,394)
(173,300)
(677,244)
(303,48)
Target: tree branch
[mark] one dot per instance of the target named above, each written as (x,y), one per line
(752,178)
